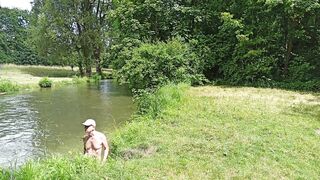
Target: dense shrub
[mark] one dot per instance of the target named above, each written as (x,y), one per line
(45,82)
(153,65)
(8,86)
(312,85)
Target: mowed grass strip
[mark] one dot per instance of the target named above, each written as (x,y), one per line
(31,75)
(222,132)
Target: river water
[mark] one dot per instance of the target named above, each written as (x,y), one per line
(49,121)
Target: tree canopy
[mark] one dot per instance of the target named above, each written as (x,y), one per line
(14,36)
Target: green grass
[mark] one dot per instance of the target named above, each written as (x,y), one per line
(28,77)
(43,71)
(31,75)
(7,86)
(206,133)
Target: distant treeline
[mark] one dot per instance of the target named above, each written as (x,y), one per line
(14,38)
(149,43)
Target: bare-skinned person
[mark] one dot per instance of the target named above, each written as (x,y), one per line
(95,143)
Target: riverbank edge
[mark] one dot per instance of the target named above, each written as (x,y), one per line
(23,88)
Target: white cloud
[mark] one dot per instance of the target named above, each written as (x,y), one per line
(20,4)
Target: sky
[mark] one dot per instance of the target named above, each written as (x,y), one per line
(20,4)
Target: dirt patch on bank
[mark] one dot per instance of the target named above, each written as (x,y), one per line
(139,152)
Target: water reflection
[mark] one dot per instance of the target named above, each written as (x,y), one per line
(49,121)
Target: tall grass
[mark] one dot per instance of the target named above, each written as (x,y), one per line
(58,167)
(153,103)
(7,86)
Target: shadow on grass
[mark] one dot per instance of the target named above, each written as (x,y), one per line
(312,111)
(312,86)
(48,72)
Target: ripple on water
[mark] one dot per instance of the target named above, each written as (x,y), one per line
(17,124)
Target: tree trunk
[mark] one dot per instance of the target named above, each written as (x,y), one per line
(87,61)
(86,52)
(80,69)
(289,47)
(97,53)
(80,63)
(88,67)
(289,29)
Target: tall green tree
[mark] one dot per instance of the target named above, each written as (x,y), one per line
(72,26)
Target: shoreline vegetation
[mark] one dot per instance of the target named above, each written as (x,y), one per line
(14,78)
(203,133)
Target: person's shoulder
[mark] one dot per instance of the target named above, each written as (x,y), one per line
(100,134)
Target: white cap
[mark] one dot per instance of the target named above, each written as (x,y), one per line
(89,122)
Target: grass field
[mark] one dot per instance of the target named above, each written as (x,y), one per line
(31,75)
(206,133)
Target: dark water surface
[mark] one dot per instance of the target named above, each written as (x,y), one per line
(49,121)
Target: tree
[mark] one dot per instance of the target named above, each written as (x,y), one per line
(72,26)
(14,46)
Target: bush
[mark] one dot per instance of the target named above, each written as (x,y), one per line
(154,65)
(300,70)
(8,86)
(45,82)
(96,78)
(312,85)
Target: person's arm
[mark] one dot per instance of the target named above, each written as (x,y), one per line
(84,144)
(106,149)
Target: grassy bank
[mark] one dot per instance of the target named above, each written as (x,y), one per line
(31,75)
(205,133)
(16,77)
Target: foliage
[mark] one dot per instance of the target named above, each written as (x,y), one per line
(245,42)
(45,82)
(153,104)
(14,45)
(96,78)
(153,65)
(311,85)
(58,167)
(71,29)
(8,86)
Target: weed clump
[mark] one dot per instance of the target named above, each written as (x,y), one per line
(45,82)
(7,86)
